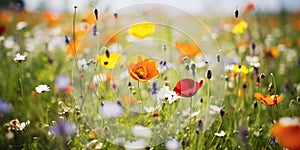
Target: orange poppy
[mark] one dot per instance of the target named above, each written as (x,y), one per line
(51,17)
(297,24)
(189,50)
(272,52)
(142,69)
(287,130)
(90,18)
(72,50)
(267,99)
(128,100)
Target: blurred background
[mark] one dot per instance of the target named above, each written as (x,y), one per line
(203,7)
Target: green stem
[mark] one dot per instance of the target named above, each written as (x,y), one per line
(139,94)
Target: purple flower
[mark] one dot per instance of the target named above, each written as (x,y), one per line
(4,107)
(94,30)
(62,128)
(299,62)
(163,65)
(154,88)
(272,140)
(63,83)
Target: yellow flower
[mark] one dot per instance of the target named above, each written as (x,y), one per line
(110,61)
(240,27)
(141,30)
(241,69)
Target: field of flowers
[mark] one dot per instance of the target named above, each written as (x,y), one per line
(149,80)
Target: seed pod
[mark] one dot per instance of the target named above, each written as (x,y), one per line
(116,15)
(96,13)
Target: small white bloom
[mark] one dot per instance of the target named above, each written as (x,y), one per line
(111,110)
(152,109)
(119,141)
(214,109)
(172,144)
(165,93)
(140,131)
(19,58)
(195,114)
(253,61)
(140,144)
(21,25)
(221,134)
(9,42)
(229,68)
(82,64)
(42,88)
(99,146)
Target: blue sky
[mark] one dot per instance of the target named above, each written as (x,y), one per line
(202,7)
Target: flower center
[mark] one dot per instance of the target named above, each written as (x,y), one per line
(141,72)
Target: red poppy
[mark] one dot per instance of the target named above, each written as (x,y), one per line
(187,87)
(249,7)
(2,30)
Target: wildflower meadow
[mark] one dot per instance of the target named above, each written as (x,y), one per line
(149,76)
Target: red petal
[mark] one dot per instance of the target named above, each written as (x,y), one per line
(187,87)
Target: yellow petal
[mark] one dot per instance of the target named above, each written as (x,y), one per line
(141,30)
(110,62)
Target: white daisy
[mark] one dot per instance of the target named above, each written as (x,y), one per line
(19,57)
(165,93)
(21,25)
(172,144)
(140,144)
(141,131)
(42,88)
(82,64)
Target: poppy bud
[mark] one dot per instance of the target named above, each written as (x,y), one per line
(187,67)
(67,40)
(262,75)
(116,15)
(258,80)
(271,86)
(75,7)
(208,74)
(218,58)
(107,53)
(236,13)
(129,84)
(253,46)
(255,105)
(96,13)
(222,112)
(164,47)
